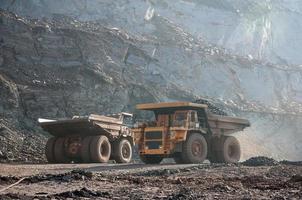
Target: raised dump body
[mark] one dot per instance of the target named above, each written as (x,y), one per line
(189,133)
(226,125)
(93,138)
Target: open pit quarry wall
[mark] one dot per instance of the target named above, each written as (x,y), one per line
(96,56)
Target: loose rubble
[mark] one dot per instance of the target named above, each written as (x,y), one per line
(82,193)
(260,161)
(17,146)
(286,162)
(213,109)
(66,177)
(204,181)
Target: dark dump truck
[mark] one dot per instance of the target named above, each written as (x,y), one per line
(89,139)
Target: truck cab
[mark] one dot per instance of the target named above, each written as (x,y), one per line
(163,134)
(187,119)
(125,118)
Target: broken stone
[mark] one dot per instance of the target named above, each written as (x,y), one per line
(84,192)
(2,156)
(179,181)
(296,178)
(213,109)
(260,161)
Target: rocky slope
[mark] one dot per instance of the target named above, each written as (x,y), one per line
(62,68)
(235,53)
(263,29)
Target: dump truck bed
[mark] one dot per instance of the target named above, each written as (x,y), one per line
(83,126)
(170,106)
(226,124)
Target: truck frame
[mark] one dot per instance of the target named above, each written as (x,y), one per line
(93,138)
(189,133)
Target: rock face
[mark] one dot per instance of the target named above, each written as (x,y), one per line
(63,68)
(253,27)
(234,53)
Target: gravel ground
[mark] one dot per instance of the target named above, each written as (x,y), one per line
(138,181)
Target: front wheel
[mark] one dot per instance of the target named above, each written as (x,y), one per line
(122,151)
(151,159)
(195,149)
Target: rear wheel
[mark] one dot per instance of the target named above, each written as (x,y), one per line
(195,149)
(100,149)
(122,151)
(225,150)
(59,151)
(85,150)
(151,159)
(49,150)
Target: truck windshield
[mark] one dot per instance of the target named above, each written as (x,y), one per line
(180,119)
(128,121)
(180,116)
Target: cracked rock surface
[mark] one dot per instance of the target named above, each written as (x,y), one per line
(61,68)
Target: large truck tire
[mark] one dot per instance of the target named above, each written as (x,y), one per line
(100,149)
(59,151)
(85,149)
(194,149)
(49,150)
(225,150)
(151,159)
(122,151)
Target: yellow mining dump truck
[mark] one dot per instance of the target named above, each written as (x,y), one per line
(93,138)
(189,133)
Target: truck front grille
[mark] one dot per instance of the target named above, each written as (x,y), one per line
(153,135)
(153,144)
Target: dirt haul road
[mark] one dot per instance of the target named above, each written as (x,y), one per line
(138,181)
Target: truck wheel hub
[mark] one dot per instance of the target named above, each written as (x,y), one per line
(231,151)
(73,149)
(125,151)
(196,148)
(104,149)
